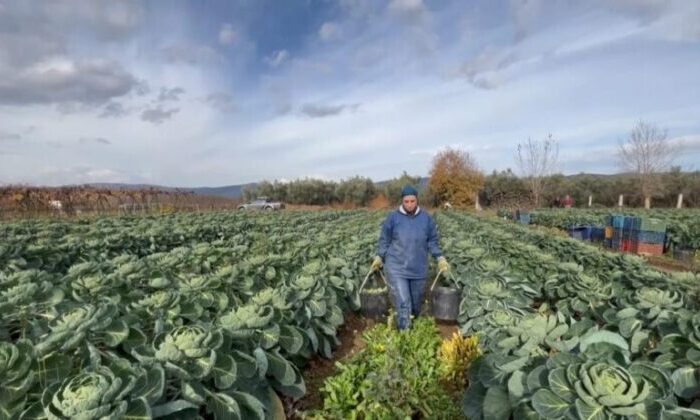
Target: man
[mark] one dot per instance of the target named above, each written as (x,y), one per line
(408,234)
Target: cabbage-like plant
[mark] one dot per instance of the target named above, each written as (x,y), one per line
(493,323)
(575,292)
(16,376)
(88,322)
(645,308)
(91,281)
(682,347)
(25,297)
(538,335)
(260,323)
(486,294)
(189,352)
(600,383)
(204,291)
(98,394)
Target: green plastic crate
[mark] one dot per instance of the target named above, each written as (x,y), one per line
(653,225)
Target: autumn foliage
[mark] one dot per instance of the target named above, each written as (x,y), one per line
(455,178)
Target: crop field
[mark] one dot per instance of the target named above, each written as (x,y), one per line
(217,316)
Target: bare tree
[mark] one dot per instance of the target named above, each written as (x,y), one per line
(647,152)
(537,160)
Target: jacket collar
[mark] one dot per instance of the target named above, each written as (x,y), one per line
(403,211)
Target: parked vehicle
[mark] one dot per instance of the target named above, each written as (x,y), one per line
(262,203)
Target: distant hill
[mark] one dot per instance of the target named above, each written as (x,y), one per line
(228,191)
(236,191)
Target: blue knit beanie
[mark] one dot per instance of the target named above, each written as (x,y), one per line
(408,190)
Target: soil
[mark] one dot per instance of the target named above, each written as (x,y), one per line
(667,264)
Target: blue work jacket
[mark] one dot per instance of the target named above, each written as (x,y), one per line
(405,241)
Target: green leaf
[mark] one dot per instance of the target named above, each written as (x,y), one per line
(313,338)
(269,336)
(225,371)
(291,339)
(12,391)
(629,326)
(115,333)
(138,410)
(172,407)
(473,401)
(693,356)
(537,378)
(496,404)
(261,362)
(514,365)
(136,338)
(588,412)
(151,385)
(686,382)
(251,403)
(223,406)
(603,337)
(34,412)
(9,410)
(559,384)
(53,368)
(280,368)
(247,364)
(549,405)
(193,392)
(516,389)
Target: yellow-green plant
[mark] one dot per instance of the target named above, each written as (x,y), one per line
(456,356)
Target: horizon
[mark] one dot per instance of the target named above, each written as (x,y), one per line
(194,94)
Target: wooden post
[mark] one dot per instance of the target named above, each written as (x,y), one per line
(679,204)
(647,202)
(590,200)
(621,200)
(477,206)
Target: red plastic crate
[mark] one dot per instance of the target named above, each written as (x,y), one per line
(650,249)
(629,245)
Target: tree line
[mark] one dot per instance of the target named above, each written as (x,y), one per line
(645,156)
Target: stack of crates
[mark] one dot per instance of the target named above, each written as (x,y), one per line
(650,236)
(614,227)
(629,236)
(620,233)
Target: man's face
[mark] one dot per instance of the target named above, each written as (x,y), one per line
(410,202)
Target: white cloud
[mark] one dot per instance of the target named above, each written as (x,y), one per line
(329,31)
(277,58)
(227,35)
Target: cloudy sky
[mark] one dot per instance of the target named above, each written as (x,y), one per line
(209,93)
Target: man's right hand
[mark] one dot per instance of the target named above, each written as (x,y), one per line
(377,263)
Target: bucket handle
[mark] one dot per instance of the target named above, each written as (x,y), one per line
(367,278)
(451,277)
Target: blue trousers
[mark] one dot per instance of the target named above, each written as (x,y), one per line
(407,295)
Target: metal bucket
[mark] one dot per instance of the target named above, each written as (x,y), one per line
(444,300)
(374,301)
(374,305)
(444,303)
